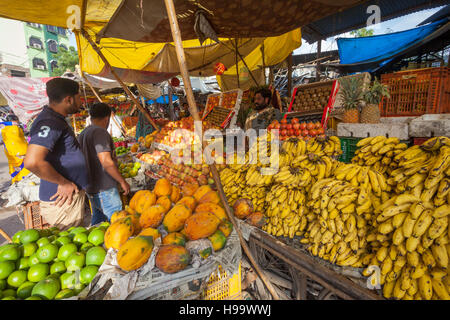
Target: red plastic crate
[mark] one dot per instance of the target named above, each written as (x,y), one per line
(417,92)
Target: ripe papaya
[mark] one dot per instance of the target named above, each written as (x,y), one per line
(165,202)
(162,188)
(118,215)
(201,225)
(134,200)
(210,196)
(218,211)
(152,216)
(188,202)
(175,196)
(151,232)
(174,238)
(226,227)
(172,258)
(200,192)
(135,252)
(118,233)
(189,189)
(146,200)
(218,240)
(176,217)
(256,219)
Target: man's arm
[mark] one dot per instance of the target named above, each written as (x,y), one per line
(36,163)
(111,168)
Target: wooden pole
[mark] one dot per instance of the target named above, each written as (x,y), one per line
(264,63)
(5,235)
(319,51)
(237,64)
(125,88)
(113,115)
(176,34)
(289,75)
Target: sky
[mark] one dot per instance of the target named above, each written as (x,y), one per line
(399,24)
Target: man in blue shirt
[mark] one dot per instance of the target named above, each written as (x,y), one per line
(54,155)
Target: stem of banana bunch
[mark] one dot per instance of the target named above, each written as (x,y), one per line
(176,34)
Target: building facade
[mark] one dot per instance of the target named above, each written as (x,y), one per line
(43,42)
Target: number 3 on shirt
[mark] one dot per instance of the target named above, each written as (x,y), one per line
(43,133)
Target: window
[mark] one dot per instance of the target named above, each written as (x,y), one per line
(34,25)
(38,63)
(36,43)
(53,65)
(52,46)
(15,73)
(63,46)
(52,29)
(62,31)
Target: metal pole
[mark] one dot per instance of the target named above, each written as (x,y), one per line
(319,51)
(176,34)
(289,75)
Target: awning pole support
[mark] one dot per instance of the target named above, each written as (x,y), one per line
(123,85)
(176,34)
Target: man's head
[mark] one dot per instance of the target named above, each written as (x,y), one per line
(64,95)
(262,98)
(100,114)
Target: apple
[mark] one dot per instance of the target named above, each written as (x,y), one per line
(289,126)
(305,133)
(297,132)
(296,126)
(283,121)
(283,133)
(290,132)
(295,121)
(302,126)
(310,126)
(313,132)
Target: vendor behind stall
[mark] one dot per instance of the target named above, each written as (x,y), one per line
(103,173)
(262,114)
(15,147)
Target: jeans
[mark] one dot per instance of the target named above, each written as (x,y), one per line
(104,204)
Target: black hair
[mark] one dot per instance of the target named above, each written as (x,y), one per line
(99,111)
(59,88)
(265,93)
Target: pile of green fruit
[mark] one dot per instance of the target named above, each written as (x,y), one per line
(121,151)
(129,170)
(50,264)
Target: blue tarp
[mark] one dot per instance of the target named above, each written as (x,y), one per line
(383,47)
(162,99)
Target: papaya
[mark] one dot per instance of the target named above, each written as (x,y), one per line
(134,200)
(175,195)
(189,189)
(172,258)
(188,202)
(200,192)
(174,238)
(145,201)
(205,253)
(201,225)
(118,233)
(165,202)
(151,232)
(210,196)
(129,210)
(152,216)
(183,232)
(226,227)
(242,208)
(162,188)
(175,218)
(218,240)
(218,211)
(137,225)
(118,215)
(135,252)
(256,219)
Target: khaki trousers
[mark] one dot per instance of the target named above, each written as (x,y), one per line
(66,216)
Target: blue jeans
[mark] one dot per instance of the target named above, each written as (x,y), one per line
(104,204)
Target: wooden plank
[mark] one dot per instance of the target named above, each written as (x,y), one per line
(328,278)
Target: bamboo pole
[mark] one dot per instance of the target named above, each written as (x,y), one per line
(113,114)
(237,64)
(125,88)
(176,34)
(5,235)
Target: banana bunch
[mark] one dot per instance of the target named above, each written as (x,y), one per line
(305,170)
(233,183)
(379,153)
(338,232)
(257,195)
(259,176)
(286,211)
(424,171)
(294,147)
(410,245)
(373,185)
(325,146)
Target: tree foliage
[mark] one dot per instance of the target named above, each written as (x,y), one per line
(67,59)
(363,32)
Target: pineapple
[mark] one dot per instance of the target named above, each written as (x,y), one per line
(352,94)
(371,112)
